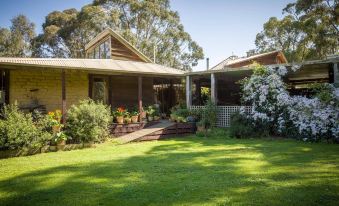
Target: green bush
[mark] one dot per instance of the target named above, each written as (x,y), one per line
(89,121)
(241,127)
(18,130)
(179,113)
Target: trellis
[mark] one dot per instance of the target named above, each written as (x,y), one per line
(224,113)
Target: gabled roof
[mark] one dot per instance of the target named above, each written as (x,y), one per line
(97,65)
(109,31)
(231,61)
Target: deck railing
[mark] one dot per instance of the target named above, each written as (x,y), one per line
(224,113)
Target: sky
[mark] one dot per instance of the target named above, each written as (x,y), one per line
(220,27)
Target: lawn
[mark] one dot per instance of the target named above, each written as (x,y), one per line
(180,171)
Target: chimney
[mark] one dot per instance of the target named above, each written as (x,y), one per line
(207,63)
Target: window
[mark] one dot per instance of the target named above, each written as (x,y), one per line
(90,55)
(100,89)
(96,53)
(102,51)
(107,49)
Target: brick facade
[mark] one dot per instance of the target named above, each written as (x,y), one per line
(45,86)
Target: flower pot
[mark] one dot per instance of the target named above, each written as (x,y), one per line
(127,120)
(61,144)
(134,119)
(150,119)
(120,119)
(156,118)
(56,129)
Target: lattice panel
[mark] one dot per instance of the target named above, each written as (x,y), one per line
(225,112)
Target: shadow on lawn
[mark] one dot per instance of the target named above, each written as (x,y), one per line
(192,171)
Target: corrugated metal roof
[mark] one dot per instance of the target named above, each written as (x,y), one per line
(103,65)
(228,62)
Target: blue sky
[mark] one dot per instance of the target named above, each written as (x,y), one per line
(221,27)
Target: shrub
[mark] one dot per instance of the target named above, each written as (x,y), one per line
(88,121)
(275,111)
(179,113)
(242,127)
(18,130)
(208,118)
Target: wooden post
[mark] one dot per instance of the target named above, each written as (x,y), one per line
(63,95)
(213,88)
(140,96)
(188,91)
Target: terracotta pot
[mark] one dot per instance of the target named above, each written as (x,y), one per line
(62,142)
(120,119)
(61,145)
(127,120)
(56,129)
(143,115)
(135,119)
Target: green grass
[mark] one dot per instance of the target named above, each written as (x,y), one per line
(181,171)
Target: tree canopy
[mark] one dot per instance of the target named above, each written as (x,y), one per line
(309,30)
(17,40)
(147,24)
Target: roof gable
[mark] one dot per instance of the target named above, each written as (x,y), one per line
(268,58)
(125,49)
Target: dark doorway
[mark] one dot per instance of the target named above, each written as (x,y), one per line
(4,87)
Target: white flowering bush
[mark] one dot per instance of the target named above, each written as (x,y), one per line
(274,110)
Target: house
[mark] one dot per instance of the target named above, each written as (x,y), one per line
(227,73)
(118,74)
(268,58)
(114,72)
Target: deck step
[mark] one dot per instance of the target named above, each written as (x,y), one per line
(144,132)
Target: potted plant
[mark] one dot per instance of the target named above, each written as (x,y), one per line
(127,117)
(150,113)
(134,116)
(119,115)
(60,139)
(55,121)
(156,114)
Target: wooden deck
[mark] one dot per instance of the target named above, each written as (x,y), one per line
(134,136)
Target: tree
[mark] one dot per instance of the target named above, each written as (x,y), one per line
(308,31)
(147,24)
(17,41)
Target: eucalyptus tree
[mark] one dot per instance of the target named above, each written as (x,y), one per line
(308,31)
(17,40)
(150,25)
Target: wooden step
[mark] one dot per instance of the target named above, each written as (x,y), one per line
(134,136)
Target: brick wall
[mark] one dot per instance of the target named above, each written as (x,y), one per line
(45,86)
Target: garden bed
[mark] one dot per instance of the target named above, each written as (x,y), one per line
(26,152)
